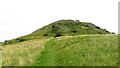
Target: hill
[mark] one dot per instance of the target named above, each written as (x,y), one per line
(60,28)
(69,27)
(63,43)
(79,50)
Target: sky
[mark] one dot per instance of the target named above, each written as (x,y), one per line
(22,17)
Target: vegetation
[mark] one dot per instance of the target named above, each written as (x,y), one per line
(22,54)
(22,39)
(83,50)
(99,50)
(63,43)
(61,28)
(69,27)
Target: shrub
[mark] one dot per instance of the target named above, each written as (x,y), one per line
(74,31)
(45,35)
(53,26)
(86,25)
(98,27)
(6,40)
(20,39)
(112,33)
(100,33)
(57,35)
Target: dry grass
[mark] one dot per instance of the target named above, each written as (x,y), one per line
(83,50)
(22,53)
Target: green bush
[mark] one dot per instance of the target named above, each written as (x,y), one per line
(74,31)
(20,39)
(58,35)
(112,33)
(45,35)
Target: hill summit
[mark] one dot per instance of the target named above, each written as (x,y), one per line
(61,28)
(69,27)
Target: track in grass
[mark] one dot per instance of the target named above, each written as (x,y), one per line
(83,50)
(99,50)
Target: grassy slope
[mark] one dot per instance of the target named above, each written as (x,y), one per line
(99,50)
(60,28)
(84,50)
(65,28)
(23,53)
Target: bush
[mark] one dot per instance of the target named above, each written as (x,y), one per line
(57,35)
(98,27)
(45,35)
(112,33)
(100,33)
(74,31)
(20,40)
(6,40)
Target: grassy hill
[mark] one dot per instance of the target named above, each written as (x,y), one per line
(69,27)
(63,43)
(79,50)
(60,28)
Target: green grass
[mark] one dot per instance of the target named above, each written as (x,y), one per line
(99,50)
(76,47)
(85,50)
(22,54)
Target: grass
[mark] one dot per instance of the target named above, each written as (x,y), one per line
(99,50)
(85,50)
(22,54)
(60,28)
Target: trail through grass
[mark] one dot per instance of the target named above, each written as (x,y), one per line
(99,50)
(83,50)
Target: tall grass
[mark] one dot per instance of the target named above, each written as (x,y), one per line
(99,50)
(86,50)
(22,54)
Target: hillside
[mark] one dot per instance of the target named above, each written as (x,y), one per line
(62,43)
(79,50)
(69,27)
(60,28)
